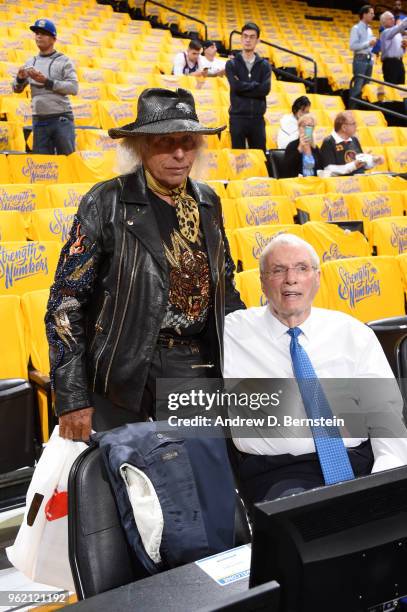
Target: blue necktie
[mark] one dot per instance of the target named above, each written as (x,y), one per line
(331,450)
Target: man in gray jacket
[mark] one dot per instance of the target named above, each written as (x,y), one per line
(52,77)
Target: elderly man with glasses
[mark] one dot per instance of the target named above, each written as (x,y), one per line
(291,339)
(342,153)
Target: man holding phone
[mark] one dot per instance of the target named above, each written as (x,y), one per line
(302,157)
(52,78)
(212,66)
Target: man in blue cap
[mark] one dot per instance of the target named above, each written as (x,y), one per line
(52,78)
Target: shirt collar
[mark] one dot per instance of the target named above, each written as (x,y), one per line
(338,139)
(278,329)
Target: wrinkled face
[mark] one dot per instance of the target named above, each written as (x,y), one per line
(289,281)
(249,40)
(389,21)
(193,55)
(44,41)
(169,157)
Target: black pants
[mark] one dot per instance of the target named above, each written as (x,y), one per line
(393,70)
(266,477)
(250,129)
(180,362)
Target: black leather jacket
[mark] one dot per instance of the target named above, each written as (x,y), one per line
(111,290)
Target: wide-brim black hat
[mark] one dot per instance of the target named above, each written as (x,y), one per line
(164,111)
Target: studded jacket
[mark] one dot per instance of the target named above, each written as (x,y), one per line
(111,290)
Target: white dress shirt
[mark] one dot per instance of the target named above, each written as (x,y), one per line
(213,67)
(257,346)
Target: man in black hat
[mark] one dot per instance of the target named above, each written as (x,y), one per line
(52,78)
(145,278)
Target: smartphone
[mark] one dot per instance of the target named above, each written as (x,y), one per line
(308,131)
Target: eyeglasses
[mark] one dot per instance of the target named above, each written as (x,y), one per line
(350,123)
(301,270)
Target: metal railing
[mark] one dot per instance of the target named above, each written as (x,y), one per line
(172,10)
(311,83)
(377,106)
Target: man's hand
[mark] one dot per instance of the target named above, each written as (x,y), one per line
(378,159)
(372,42)
(76,425)
(22,73)
(359,164)
(36,75)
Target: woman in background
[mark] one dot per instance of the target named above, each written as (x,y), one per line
(302,157)
(289,123)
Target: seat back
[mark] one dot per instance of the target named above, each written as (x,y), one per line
(391,333)
(278,168)
(99,554)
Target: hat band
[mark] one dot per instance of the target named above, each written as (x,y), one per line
(165,116)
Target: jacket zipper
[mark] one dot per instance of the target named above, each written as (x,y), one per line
(98,327)
(115,302)
(123,317)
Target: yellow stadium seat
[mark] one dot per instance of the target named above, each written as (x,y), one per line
(372,205)
(369,118)
(4,171)
(40,169)
(94,166)
(26,266)
(129,78)
(397,159)
(171,81)
(51,224)
(253,187)
(115,114)
(14,360)
(367,288)
(23,199)
(348,184)
(218,187)
(245,163)
(250,241)
(210,165)
(12,226)
(108,63)
(17,110)
(389,235)
(402,132)
(92,91)
(366,138)
(229,213)
(263,210)
(63,196)
(95,75)
(319,101)
(385,182)
(11,137)
(384,136)
(325,207)
(85,112)
(250,288)
(332,242)
(94,140)
(123,93)
(297,187)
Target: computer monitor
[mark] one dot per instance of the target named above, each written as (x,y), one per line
(340,548)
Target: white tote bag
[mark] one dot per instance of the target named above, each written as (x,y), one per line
(40,550)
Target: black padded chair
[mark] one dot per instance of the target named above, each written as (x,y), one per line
(276,157)
(391,332)
(18,441)
(99,554)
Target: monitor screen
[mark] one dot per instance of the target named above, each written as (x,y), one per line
(341,548)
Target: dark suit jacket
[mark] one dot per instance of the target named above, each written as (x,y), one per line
(293,159)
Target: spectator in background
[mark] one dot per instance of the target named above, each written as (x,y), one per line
(249,78)
(51,77)
(289,123)
(189,61)
(212,64)
(398,10)
(341,151)
(393,46)
(302,157)
(361,43)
